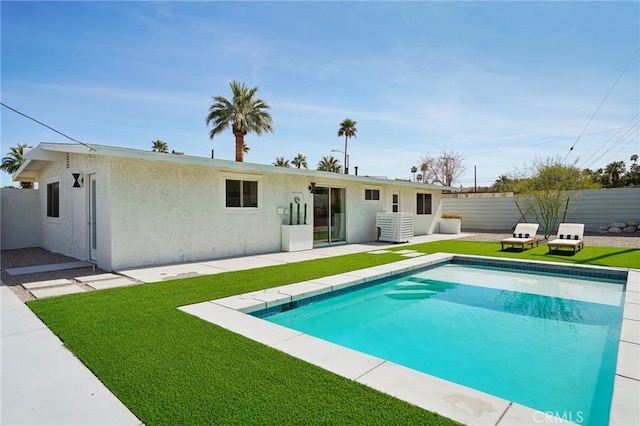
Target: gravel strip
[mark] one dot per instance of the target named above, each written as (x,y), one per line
(34,257)
(619,240)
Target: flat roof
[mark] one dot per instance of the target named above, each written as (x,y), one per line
(37,158)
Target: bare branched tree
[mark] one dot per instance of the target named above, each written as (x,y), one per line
(444,169)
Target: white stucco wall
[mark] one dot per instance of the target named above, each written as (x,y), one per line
(68,234)
(165,212)
(20,220)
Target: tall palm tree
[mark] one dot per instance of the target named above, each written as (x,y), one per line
(424,167)
(281,162)
(14,159)
(159,146)
(329,164)
(300,161)
(244,113)
(348,130)
(414,170)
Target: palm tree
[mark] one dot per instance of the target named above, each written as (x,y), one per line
(300,161)
(245,149)
(244,113)
(414,170)
(159,146)
(424,167)
(14,159)
(615,170)
(634,158)
(348,130)
(329,164)
(281,162)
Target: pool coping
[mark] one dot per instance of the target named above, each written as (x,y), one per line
(449,399)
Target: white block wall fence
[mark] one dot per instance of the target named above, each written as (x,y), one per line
(20,219)
(495,212)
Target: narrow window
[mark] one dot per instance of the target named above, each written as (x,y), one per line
(372,194)
(241,193)
(53,199)
(423,204)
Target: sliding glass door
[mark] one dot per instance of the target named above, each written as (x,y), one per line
(329,216)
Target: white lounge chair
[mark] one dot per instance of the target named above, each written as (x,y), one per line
(570,235)
(524,234)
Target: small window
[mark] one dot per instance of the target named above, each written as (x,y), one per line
(53,199)
(241,193)
(395,203)
(372,194)
(423,204)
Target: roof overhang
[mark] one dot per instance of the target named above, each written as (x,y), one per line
(45,152)
(35,160)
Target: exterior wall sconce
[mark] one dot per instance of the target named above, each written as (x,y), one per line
(312,187)
(78,180)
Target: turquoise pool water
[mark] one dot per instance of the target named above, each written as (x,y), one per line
(542,340)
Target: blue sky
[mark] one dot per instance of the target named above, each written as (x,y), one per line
(501,83)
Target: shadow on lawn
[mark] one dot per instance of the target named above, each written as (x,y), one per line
(579,258)
(615,253)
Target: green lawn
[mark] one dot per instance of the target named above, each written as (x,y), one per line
(172,368)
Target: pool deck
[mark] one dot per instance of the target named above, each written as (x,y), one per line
(44,383)
(454,401)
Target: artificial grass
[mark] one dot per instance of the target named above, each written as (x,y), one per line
(171,368)
(591,255)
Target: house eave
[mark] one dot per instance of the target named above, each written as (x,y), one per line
(95,151)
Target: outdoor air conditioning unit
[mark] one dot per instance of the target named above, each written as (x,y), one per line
(395,227)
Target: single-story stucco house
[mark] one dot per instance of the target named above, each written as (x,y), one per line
(121,207)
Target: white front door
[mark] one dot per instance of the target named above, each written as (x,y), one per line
(93,231)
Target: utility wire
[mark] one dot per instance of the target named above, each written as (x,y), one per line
(602,102)
(588,163)
(48,127)
(629,134)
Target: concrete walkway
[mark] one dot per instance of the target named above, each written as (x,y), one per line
(192,269)
(43,383)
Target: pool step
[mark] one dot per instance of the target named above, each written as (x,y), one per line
(418,288)
(407,294)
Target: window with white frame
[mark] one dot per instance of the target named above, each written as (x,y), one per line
(241,193)
(53,199)
(423,203)
(372,195)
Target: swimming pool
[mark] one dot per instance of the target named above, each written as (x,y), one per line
(503,332)
(462,403)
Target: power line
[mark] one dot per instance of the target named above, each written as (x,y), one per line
(47,126)
(601,103)
(628,134)
(587,164)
